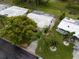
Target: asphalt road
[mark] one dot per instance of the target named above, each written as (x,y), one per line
(9,51)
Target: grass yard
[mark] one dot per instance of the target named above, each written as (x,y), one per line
(63,52)
(57,8)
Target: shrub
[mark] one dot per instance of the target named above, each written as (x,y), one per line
(18,30)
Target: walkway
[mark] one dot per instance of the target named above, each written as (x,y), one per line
(76,52)
(32,47)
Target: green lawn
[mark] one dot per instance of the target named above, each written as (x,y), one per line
(63,52)
(57,8)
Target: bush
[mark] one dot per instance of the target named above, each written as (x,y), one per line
(18,30)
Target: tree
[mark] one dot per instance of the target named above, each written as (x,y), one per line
(12,1)
(38,2)
(29,2)
(18,30)
(2,18)
(69,36)
(62,16)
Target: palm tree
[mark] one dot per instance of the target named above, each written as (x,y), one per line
(37,2)
(67,38)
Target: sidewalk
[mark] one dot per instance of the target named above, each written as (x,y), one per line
(76,52)
(32,47)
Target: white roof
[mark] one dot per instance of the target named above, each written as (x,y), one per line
(70,25)
(14,11)
(42,20)
(3,6)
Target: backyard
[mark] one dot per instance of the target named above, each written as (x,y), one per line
(63,52)
(55,8)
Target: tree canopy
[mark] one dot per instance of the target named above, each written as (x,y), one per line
(18,29)
(36,2)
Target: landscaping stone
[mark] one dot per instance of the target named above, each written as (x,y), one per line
(66,43)
(53,48)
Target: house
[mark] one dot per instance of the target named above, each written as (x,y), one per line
(13,11)
(9,51)
(3,6)
(69,25)
(43,20)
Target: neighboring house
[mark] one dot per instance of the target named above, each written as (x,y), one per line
(9,51)
(69,25)
(43,20)
(13,11)
(3,6)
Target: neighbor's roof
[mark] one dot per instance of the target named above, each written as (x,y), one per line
(9,51)
(70,25)
(14,11)
(3,6)
(43,20)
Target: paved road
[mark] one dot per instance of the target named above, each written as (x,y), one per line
(8,51)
